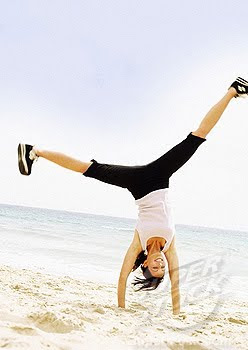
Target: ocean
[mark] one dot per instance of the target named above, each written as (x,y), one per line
(92,247)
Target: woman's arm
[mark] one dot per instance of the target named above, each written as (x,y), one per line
(127,266)
(173,264)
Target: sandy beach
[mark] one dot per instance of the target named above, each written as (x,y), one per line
(42,311)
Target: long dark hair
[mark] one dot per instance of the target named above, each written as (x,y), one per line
(149,282)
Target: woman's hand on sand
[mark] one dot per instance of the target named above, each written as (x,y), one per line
(179,315)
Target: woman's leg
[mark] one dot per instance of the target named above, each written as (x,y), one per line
(63,160)
(176,157)
(118,175)
(205,127)
(214,114)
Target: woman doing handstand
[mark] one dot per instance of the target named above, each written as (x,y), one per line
(154,239)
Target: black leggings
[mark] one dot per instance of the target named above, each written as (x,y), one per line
(141,180)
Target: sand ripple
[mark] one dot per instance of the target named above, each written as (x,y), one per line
(40,311)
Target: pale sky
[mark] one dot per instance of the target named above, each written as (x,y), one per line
(122,82)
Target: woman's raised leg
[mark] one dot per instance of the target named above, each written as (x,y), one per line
(63,160)
(176,157)
(27,154)
(214,114)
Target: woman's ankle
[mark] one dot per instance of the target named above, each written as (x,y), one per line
(37,151)
(232,91)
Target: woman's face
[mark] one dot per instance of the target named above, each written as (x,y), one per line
(156,264)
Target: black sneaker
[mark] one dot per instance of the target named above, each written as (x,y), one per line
(241,86)
(26,158)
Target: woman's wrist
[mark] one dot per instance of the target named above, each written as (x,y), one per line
(176,311)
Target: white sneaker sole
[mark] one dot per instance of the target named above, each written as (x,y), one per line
(23,167)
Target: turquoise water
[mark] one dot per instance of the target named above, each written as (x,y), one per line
(93,246)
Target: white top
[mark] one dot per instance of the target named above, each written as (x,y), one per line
(155,218)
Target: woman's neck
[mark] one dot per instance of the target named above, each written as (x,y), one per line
(154,247)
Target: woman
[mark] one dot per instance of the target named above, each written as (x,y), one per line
(154,239)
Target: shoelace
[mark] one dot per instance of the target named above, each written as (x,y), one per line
(32,155)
